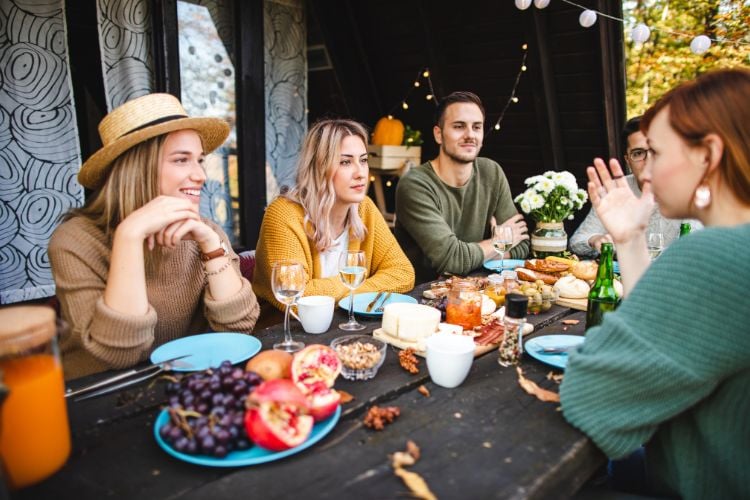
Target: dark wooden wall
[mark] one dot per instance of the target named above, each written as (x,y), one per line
(571,99)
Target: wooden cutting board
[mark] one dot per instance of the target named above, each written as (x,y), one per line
(578,304)
(381,334)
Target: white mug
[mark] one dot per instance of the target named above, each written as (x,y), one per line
(315,312)
(449,358)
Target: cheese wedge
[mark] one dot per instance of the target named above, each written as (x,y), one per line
(410,322)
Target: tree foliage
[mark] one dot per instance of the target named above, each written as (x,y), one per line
(666,60)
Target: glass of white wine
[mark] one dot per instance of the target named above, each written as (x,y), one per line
(655,242)
(502,240)
(352,272)
(288,280)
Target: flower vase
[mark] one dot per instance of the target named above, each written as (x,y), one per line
(549,238)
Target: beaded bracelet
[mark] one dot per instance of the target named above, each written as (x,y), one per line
(221,269)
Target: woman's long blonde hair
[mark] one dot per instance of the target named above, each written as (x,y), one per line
(132,181)
(314,190)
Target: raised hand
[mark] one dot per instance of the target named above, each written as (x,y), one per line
(155,216)
(623,214)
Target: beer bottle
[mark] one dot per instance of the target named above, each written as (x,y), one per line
(602,297)
(684,229)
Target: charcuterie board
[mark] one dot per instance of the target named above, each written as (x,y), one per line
(578,304)
(418,347)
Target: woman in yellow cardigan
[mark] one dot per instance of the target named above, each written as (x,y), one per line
(327,213)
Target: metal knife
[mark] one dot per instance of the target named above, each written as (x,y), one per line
(374,301)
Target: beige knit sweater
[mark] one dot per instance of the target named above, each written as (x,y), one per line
(180,303)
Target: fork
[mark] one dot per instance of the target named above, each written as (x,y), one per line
(374,301)
(382,304)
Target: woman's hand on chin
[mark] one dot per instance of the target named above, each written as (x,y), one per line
(155,216)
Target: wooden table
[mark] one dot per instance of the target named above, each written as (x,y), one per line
(485,438)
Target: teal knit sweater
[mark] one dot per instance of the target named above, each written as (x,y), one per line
(671,369)
(439,226)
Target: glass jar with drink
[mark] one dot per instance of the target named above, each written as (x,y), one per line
(34,432)
(464,307)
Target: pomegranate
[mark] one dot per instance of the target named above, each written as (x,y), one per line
(276,416)
(314,370)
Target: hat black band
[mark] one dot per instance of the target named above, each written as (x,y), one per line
(155,122)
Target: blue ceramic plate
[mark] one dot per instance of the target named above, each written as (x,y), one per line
(494,265)
(362,300)
(253,455)
(534,348)
(208,350)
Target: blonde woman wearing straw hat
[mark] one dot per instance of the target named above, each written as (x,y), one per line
(326,214)
(136,266)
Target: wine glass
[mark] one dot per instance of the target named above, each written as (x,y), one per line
(655,242)
(352,273)
(502,240)
(288,282)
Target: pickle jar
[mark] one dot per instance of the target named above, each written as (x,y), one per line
(34,431)
(464,307)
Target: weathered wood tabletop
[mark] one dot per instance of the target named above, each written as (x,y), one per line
(484,439)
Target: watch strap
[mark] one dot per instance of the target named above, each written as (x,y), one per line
(213,254)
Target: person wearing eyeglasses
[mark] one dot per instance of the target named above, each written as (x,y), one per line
(588,238)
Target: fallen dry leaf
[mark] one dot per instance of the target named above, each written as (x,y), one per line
(571,321)
(555,377)
(533,389)
(416,484)
(424,391)
(345,397)
(412,449)
(401,459)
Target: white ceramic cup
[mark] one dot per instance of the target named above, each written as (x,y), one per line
(315,312)
(449,358)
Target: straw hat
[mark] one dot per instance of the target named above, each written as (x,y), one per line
(141,119)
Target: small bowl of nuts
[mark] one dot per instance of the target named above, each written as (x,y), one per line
(360,355)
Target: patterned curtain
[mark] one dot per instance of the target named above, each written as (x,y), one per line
(286,90)
(39,148)
(125,45)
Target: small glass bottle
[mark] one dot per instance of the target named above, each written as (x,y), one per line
(511,347)
(603,296)
(464,305)
(685,229)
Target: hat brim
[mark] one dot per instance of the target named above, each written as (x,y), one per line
(212,131)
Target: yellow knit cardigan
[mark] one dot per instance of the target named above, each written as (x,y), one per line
(282,236)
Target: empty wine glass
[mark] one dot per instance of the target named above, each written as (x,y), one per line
(288,282)
(655,242)
(352,272)
(502,240)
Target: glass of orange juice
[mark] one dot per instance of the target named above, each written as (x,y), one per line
(34,431)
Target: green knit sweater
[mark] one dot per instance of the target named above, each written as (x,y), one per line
(671,369)
(438,226)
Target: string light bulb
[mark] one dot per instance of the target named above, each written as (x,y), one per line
(524,46)
(416,84)
(514,99)
(497,126)
(372,178)
(426,73)
(523,4)
(700,44)
(587,18)
(388,183)
(640,33)
(404,105)
(428,97)
(524,68)
(541,4)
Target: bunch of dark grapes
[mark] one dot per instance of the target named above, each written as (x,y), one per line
(207,411)
(438,304)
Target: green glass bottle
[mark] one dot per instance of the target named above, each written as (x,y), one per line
(602,297)
(685,229)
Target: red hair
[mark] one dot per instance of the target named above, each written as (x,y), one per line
(718,103)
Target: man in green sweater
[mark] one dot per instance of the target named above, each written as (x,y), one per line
(445,209)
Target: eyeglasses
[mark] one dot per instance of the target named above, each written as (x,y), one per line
(638,154)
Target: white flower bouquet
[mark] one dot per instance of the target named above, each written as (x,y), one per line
(551,197)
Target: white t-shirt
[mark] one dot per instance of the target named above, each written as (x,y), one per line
(329,260)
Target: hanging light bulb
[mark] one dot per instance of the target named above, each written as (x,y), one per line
(426,73)
(700,44)
(540,4)
(587,18)
(372,178)
(390,117)
(388,183)
(428,97)
(497,126)
(524,68)
(525,46)
(514,99)
(640,33)
(404,105)
(523,4)
(416,84)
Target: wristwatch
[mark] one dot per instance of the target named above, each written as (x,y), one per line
(222,251)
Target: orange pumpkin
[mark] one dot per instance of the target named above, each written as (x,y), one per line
(389,131)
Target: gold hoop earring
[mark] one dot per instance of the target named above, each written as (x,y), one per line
(702,197)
